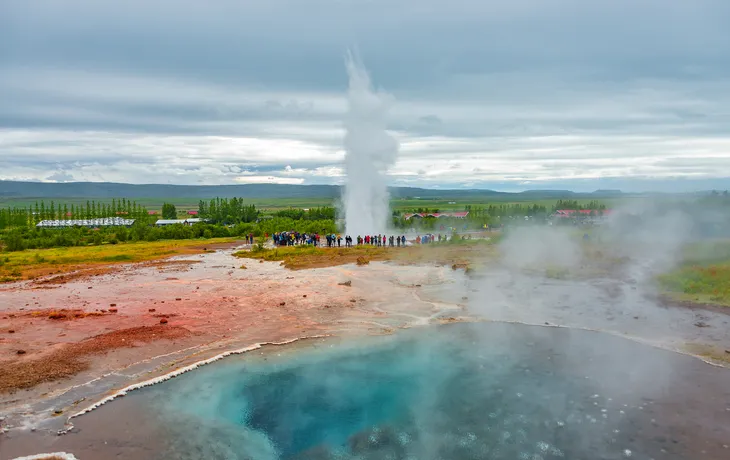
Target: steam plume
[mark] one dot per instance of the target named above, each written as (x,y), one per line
(370,150)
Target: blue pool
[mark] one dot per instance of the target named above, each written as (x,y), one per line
(461,391)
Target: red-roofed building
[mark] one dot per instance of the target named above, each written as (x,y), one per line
(192,213)
(152,213)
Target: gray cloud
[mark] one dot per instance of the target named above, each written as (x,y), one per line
(60,176)
(522,91)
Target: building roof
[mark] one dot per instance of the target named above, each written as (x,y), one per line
(192,213)
(101,222)
(194,220)
(170,221)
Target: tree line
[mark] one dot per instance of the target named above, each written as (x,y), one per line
(227,211)
(31,215)
(30,237)
(323,213)
(592,205)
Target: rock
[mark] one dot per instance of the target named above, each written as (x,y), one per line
(178,299)
(11,331)
(727,351)
(58,411)
(152,310)
(112,305)
(113,310)
(89,287)
(347,283)
(21,352)
(305,295)
(197,287)
(701,324)
(163,321)
(353,300)
(282,304)
(103,311)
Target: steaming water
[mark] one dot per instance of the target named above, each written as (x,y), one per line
(457,392)
(370,150)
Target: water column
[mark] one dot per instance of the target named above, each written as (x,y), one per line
(369,151)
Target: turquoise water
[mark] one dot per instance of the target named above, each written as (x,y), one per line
(453,392)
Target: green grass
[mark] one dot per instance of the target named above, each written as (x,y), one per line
(701,284)
(273,204)
(457,204)
(32,263)
(459,254)
(301,257)
(118,258)
(704,276)
(182,204)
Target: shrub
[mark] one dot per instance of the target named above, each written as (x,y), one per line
(14,241)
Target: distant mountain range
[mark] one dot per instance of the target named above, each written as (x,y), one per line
(16,189)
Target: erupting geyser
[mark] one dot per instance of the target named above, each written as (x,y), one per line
(370,150)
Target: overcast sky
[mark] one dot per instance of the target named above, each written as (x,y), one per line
(502,94)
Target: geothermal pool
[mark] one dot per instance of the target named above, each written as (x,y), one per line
(459,391)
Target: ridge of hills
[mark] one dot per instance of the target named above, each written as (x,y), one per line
(18,189)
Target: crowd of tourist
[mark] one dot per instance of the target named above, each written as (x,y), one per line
(336,240)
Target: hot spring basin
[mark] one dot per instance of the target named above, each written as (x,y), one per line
(460,391)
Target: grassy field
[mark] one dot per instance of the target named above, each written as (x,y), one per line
(182,204)
(703,277)
(459,205)
(31,264)
(459,254)
(700,284)
(273,204)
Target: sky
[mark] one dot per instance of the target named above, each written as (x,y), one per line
(509,95)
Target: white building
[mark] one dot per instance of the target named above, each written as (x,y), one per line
(164,222)
(91,223)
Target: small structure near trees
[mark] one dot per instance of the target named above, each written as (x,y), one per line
(90,223)
(164,222)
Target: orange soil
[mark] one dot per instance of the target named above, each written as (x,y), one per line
(43,273)
(64,314)
(69,359)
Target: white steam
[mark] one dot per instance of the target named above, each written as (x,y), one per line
(370,151)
